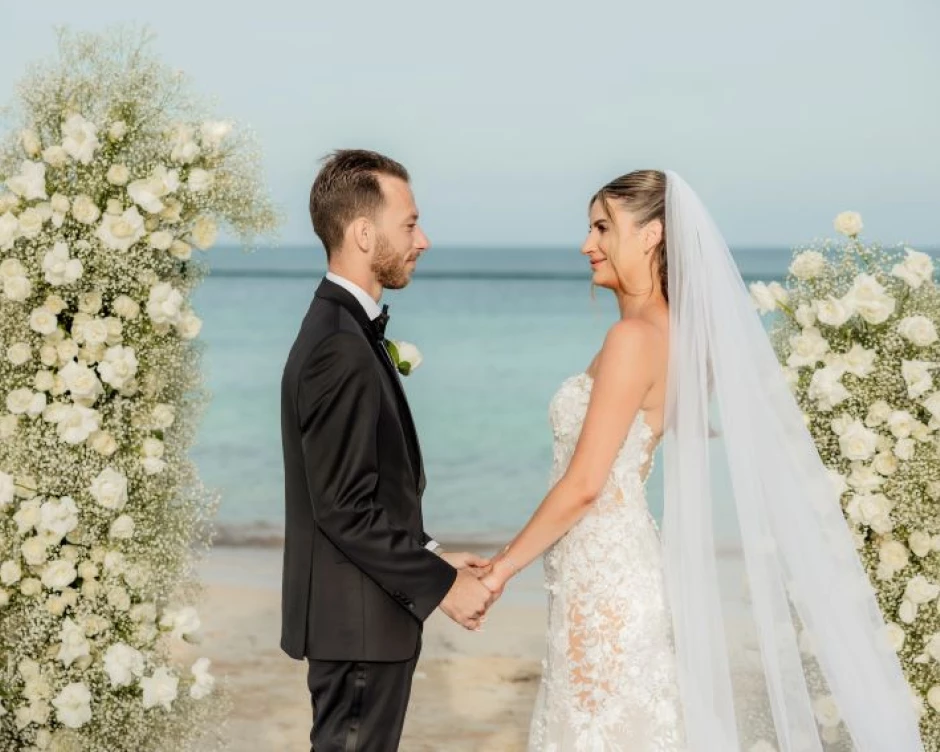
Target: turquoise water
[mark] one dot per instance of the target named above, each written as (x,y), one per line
(499,330)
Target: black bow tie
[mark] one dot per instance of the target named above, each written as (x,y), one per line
(380,322)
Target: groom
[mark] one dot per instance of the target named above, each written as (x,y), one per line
(360,573)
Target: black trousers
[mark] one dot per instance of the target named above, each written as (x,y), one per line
(359,706)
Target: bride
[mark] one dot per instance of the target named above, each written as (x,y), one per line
(651,644)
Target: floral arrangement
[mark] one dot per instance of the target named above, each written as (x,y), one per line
(856,332)
(112,180)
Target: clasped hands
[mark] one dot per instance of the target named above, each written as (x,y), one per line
(479,584)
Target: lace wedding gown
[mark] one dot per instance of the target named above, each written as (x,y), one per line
(609,676)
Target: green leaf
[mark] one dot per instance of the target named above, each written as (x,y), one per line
(404,368)
(393,351)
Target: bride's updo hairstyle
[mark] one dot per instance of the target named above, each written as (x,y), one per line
(643,194)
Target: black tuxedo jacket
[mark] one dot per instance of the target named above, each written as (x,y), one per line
(358,581)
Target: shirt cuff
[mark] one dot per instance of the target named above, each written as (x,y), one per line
(433,546)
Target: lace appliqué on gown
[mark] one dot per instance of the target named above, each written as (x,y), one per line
(609,676)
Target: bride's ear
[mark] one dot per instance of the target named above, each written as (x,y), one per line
(652,235)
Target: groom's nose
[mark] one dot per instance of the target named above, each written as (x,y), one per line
(422,243)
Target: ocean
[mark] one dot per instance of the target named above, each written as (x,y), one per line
(499,330)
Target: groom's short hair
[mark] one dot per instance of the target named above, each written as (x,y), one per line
(347,187)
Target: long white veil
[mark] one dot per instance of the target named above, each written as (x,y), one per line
(778,634)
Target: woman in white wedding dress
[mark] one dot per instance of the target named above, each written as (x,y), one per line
(637,655)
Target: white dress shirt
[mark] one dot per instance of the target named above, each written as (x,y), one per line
(371,307)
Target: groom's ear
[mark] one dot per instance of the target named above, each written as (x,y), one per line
(361,232)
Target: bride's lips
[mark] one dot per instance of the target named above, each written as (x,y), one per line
(597,262)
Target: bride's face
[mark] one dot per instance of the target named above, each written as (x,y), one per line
(614,246)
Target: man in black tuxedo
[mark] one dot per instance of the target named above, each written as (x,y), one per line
(360,573)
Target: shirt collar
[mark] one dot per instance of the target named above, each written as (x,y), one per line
(365,300)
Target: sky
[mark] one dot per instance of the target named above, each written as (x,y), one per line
(510,114)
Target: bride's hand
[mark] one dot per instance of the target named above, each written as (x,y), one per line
(475,565)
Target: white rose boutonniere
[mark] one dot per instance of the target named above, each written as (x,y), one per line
(406,356)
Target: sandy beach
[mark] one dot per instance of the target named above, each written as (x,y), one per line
(472,691)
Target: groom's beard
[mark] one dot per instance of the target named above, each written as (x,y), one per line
(389,267)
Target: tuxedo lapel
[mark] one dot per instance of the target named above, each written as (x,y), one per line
(331,291)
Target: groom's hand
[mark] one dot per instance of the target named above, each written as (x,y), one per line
(476,565)
(467,600)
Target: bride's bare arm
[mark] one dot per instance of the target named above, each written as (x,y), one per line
(625,373)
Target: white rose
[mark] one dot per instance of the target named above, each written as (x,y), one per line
(858,361)
(9,227)
(152,465)
(80,139)
(122,664)
(119,366)
(907,612)
(59,574)
(59,267)
(81,381)
(17,289)
(885,463)
(119,233)
(932,404)
(763,297)
(109,489)
(73,707)
(103,443)
(189,325)
(19,401)
(30,183)
(864,479)
(410,354)
(114,562)
(10,573)
(932,648)
(30,142)
(826,711)
(118,599)
(808,265)
(833,311)
(152,448)
(28,516)
(122,528)
(200,180)
(43,321)
(8,202)
(66,350)
(894,555)
(904,449)
(181,623)
(31,222)
(55,156)
(35,551)
(878,413)
(896,636)
(118,130)
(161,240)
(214,132)
(807,348)
(118,174)
(826,388)
(805,315)
(918,330)
(916,269)
(89,330)
(921,543)
(917,376)
(165,303)
(115,329)
(901,423)
(77,424)
(126,307)
(921,591)
(55,304)
(858,443)
(183,148)
(870,300)
(18,353)
(11,268)
(58,517)
(163,415)
(848,223)
(85,210)
(203,681)
(182,251)
(204,233)
(872,510)
(159,689)
(7,489)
